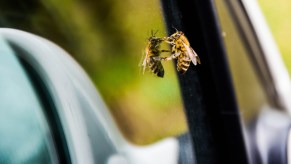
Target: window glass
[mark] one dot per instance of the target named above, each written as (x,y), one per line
(24,133)
(250,94)
(108,39)
(278,17)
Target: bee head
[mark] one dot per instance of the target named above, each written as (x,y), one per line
(153,39)
(176,35)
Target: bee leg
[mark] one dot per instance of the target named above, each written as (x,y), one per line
(165,51)
(157,58)
(169,42)
(166,39)
(173,56)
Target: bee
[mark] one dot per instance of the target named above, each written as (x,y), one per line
(181,50)
(153,51)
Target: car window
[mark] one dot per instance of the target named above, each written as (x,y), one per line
(108,39)
(276,15)
(24,131)
(249,91)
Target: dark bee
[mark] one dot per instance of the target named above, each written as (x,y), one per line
(152,50)
(182,51)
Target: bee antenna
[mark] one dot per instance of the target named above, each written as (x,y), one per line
(156,32)
(175,28)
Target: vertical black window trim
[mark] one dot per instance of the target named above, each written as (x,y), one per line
(207,90)
(49,108)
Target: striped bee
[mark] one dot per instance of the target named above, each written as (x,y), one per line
(153,51)
(181,50)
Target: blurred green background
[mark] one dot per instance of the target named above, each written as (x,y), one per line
(108,37)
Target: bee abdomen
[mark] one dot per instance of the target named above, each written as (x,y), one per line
(157,68)
(183,65)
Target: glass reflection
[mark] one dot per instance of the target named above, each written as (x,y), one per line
(24,132)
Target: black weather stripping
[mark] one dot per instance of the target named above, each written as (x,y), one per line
(207,90)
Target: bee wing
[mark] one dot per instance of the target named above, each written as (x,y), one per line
(192,54)
(143,62)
